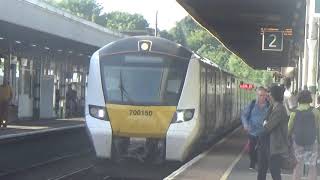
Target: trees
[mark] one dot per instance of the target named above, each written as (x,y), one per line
(189,33)
(123,21)
(92,11)
(167,35)
(87,9)
(197,38)
(179,35)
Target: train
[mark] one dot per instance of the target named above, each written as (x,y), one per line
(154,100)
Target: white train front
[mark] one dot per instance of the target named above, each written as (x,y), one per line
(154,100)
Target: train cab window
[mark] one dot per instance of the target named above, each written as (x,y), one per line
(142,79)
(173,86)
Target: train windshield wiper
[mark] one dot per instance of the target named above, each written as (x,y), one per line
(123,90)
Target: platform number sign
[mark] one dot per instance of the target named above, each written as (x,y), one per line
(272,41)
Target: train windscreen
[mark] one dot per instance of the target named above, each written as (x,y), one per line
(143,80)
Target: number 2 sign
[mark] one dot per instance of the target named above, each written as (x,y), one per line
(272,41)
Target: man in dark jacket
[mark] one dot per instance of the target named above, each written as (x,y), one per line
(276,133)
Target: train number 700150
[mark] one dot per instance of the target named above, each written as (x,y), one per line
(140,113)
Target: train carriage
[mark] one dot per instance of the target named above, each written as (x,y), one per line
(152,99)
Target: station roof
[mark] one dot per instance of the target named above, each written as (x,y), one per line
(32,22)
(238,25)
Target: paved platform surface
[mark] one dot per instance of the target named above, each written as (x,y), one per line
(224,161)
(29,127)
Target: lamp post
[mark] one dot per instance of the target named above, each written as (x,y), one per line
(156,28)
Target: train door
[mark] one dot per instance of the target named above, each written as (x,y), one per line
(218,108)
(227,100)
(213,87)
(224,102)
(233,101)
(210,100)
(203,89)
(241,98)
(237,98)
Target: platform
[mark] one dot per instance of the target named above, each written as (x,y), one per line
(224,161)
(32,127)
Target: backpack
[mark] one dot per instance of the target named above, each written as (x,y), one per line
(253,102)
(305,128)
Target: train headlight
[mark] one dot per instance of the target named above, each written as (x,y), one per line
(188,114)
(97,112)
(145,45)
(183,115)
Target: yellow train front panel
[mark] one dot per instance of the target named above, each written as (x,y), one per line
(140,121)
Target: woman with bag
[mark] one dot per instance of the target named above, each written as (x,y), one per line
(276,127)
(303,127)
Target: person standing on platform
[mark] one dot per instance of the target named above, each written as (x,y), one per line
(57,101)
(304,128)
(71,101)
(289,99)
(252,120)
(275,133)
(5,98)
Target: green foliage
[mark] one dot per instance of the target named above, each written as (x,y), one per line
(202,42)
(123,21)
(196,39)
(267,78)
(241,69)
(86,9)
(165,34)
(92,11)
(188,25)
(179,35)
(218,54)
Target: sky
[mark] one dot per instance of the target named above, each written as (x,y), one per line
(169,11)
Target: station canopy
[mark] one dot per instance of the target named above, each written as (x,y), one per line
(240,24)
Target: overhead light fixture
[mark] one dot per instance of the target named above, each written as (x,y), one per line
(18,42)
(59,50)
(1,38)
(80,54)
(70,52)
(47,48)
(33,45)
